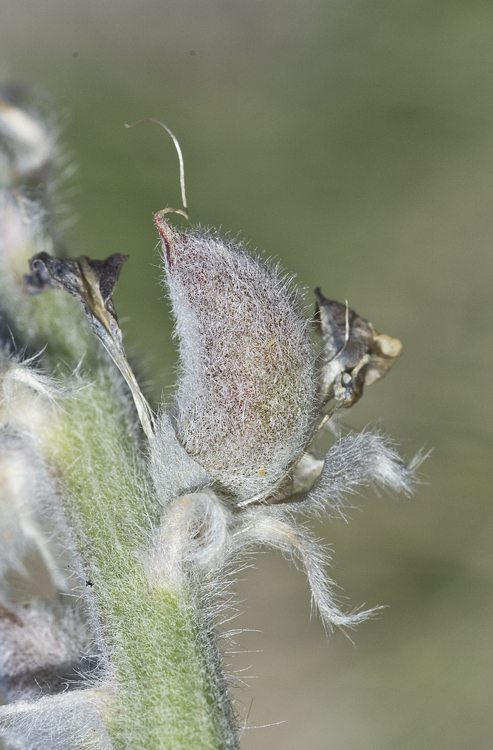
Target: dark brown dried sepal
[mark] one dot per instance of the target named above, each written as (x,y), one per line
(353,353)
(92,282)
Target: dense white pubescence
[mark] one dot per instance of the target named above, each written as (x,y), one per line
(45,639)
(247,389)
(70,721)
(21,233)
(28,144)
(192,538)
(202,538)
(174,472)
(205,539)
(28,502)
(358,460)
(275,527)
(19,223)
(40,649)
(25,491)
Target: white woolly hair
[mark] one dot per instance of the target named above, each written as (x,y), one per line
(358,460)
(27,529)
(174,472)
(28,506)
(41,649)
(21,221)
(246,395)
(275,527)
(201,537)
(29,140)
(70,721)
(47,644)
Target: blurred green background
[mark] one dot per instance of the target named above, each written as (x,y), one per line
(353,140)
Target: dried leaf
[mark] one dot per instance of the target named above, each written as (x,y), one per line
(353,353)
(92,282)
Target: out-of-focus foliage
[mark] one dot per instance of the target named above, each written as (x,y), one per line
(355,141)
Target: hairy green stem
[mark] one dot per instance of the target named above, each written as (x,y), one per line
(164,694)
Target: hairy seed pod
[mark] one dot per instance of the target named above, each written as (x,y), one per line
(246,396)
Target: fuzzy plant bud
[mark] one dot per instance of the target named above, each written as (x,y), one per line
(246,396)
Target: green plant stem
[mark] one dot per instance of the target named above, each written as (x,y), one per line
(166,693)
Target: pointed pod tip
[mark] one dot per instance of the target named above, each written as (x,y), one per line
(164,228)
(168,235)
